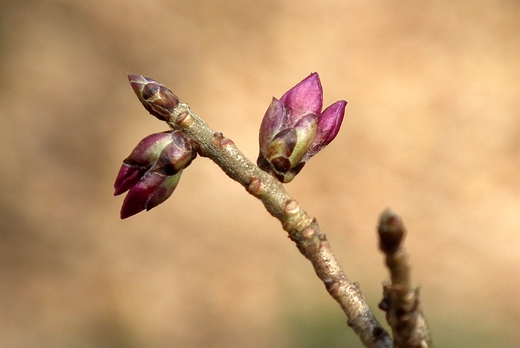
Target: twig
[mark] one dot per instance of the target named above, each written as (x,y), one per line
(400,300)
(302,229)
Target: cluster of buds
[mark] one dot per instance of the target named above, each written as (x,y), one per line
(294,128)
(152,171)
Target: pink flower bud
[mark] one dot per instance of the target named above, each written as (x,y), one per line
(294,128)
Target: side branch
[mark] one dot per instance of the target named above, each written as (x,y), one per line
(302,229)
(400,300)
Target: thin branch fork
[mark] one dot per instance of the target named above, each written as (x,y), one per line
(401,300)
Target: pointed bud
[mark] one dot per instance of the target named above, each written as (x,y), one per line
(304,98)
(152,171)
(272,123)
(140,161)
(329,123)
(294,129)
(156,98)
(149,192)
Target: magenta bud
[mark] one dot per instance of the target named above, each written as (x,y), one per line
(156,98)
(144,155)
(304,98)
(152,171)
(329,123)
(149,192)
(294,128)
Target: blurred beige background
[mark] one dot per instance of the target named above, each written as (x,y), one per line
(432,130)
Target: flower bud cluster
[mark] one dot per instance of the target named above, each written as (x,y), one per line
(152,171)
(295,128)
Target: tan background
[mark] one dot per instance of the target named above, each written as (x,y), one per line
(432,130)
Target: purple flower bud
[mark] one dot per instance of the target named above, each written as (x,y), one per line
(306,97)
(329,123)
(156,98)
(294,128)
(152,171)
(149,192)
